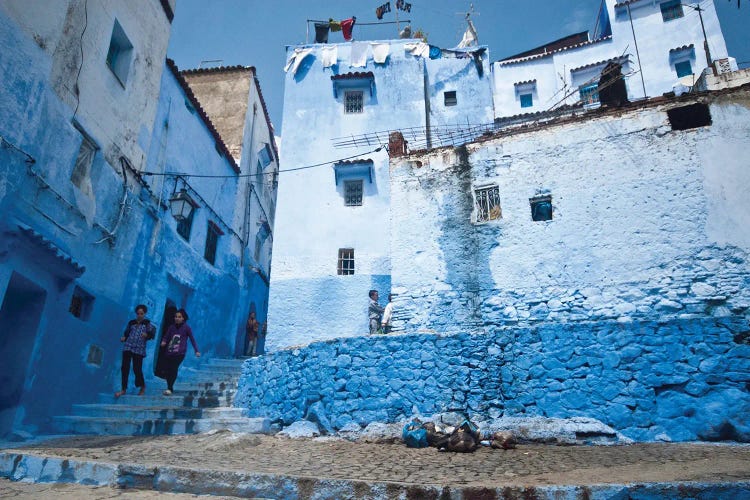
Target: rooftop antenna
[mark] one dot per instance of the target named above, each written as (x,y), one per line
(467,16)
(211,62)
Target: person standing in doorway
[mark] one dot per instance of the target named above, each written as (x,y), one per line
(374,312)
(251,334)
(175,347)
(137,332)
(388,315)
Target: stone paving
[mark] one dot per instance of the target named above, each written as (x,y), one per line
(336,459)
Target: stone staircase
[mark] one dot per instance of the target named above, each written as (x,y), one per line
(202,401)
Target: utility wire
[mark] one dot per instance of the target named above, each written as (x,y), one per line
(206,176)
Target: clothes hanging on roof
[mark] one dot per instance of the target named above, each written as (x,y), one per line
(329,55)
(358,56)
(296,59)
(386,7)
(334,25)
(418,49)
(435,52)
(380,51)
(470,36)
(321,32)
(347,25)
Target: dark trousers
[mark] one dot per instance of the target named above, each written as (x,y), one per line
(137,369)
(172,365)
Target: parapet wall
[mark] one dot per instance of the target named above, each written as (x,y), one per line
(681,380)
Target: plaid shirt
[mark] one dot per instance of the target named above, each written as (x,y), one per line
(134,341)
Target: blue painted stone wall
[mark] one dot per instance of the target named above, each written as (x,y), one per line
(680,380)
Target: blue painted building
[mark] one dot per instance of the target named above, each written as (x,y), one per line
(95,128)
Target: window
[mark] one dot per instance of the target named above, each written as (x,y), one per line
(353,193)
(120,53)
(212,241)
(691,116)
(488,203)
(265,156)
(185,225)
(541,208)
(683,68)
(81,304)
(449,98)
(527,100)
(589,94)
(84,160)
(346,261)
(353,101)
(95,355)
(671,10)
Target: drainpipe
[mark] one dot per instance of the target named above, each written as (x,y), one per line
(248,188)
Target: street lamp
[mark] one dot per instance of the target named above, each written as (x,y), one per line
(181,205)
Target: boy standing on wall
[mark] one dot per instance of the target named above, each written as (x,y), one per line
(388,315)
(374,312)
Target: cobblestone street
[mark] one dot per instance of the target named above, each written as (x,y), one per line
(334,459)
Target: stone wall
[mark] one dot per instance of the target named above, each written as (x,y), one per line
(678,380)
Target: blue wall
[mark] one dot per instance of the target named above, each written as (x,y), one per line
(680,380)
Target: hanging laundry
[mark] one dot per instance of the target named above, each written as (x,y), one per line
(334,25)
(329,55)
(296,59)
(358,56)
(321,32)
(380,51)
(402,5)
(418,49)
(347,25)
(386,7)
(435,52)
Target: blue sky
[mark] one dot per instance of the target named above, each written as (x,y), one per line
(255,32)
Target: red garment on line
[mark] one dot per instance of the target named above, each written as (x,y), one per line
(347,25)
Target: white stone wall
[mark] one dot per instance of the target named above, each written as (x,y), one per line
(647,222)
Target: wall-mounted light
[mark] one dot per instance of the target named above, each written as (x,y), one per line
(181,205)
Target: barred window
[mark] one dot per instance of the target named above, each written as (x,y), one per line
(541,208)
(488,204)
(353,101)
(450,98)
(353,193)
(346,261)
(671,10)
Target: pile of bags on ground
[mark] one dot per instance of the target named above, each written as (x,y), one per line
(462,438)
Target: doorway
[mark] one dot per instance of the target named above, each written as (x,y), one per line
(20,314)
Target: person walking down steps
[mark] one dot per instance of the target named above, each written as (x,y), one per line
(137,332)
(175,347)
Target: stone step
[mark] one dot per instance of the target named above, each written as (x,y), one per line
(154,412)
(225,362)
(176,400)
(129,427)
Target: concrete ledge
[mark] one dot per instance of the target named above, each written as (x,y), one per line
(39,468)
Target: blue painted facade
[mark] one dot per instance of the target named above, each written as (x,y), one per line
(80,248)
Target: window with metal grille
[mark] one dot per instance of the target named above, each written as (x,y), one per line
(671,10)
(81,304)
(541,208)
(488,203)
(95,356)
(185,225)
(212,241)
(353,193)
(353,101)
(589,94)
(450,98)
(527,100)
(346,261)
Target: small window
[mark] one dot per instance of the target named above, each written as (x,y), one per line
(81,304)
(95,356)
(353,101)
(527,100)
(449,98)
(353,193)
(212,241)
(541,208)
(589,94)
(346,261)
(84,160)
(683,68)
(671,10)
(488,204)
(185,225)
(120,53)
(691,116)
(265,156)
